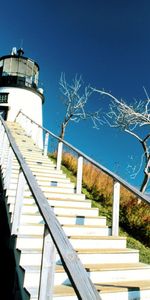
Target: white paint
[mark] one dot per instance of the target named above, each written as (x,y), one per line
(79,175)
(116,203)
(59,155)
(47,268)
(28,102)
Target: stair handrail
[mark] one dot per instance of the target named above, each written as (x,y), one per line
(81,282)
(114,176)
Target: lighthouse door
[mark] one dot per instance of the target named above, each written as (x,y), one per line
(3,112)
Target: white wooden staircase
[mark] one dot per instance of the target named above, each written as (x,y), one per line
(113,268)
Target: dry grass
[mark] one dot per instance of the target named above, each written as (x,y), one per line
(94,179)
(133,217)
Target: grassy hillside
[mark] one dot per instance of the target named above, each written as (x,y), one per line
(134,216)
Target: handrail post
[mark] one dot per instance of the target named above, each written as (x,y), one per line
(46,144)
(116,203)
(47,267)
(31,130)
(29,127)
(59,155)
(37,135)
(18,203)
(79,175)
(24,123)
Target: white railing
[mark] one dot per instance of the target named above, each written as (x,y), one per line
(29,126)
(54,236)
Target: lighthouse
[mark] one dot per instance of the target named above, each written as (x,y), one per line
(19,87)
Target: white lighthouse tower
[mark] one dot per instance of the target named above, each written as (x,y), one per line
(19,87)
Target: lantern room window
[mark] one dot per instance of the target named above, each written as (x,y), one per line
(20,67)
(3,97)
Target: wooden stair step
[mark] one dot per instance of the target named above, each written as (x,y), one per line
(67,219)
(98,273)
(107,251)
(100,230)
(109,267)
(97,267)
(113,291)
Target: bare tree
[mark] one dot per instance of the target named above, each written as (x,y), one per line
(75,98)
(132,118)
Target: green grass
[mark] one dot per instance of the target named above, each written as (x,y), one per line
(134,244)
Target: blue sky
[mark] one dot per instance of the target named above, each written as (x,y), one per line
(107,42)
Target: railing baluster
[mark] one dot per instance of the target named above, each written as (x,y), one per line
(1,127)
(37,135)
(79,175)
(4,147)
(8,168)
(116,203)
(47,267)
(29,128)
(59,155)
(46,144)
(2,134)
(24,122)
(18,203)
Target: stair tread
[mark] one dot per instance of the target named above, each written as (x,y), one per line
(68,207)
(124,286)
(66,290)
(66,225)
(105,250)
(95,267)
(86,250)
(73,216)
(30,235)
(57,199)
(80,216)
(98,237)
(41,161)
(115,286)
(79,237)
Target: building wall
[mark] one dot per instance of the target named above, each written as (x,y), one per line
(29,103)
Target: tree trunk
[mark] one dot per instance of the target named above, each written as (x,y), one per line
(62,132)
(144,183)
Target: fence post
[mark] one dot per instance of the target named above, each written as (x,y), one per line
(79,175)
(116,202)
(46,144)
(59,155)
(47,267)
(18,203)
